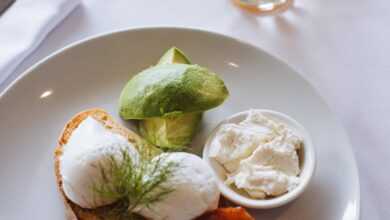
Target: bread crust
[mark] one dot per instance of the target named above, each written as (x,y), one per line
(73,211)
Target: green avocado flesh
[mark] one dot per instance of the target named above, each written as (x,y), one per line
(169,99)
(173,55)
(171,132)
(169,89)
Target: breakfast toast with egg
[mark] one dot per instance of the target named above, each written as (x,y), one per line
(73,211)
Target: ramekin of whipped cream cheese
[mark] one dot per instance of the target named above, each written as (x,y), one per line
(263,158)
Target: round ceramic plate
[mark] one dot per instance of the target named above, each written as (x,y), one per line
(34,109)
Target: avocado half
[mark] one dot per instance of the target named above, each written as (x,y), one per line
(169,99)
(169,89)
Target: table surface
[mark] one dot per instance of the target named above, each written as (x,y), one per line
(339,46)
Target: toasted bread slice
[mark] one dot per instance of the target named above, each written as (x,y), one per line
(73,211)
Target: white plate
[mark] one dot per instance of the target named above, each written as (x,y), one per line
(92,73)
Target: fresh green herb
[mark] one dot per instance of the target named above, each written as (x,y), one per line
(134,182)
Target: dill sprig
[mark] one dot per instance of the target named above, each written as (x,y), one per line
(133,182)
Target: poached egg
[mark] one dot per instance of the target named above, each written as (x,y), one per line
(194,192)
(89,148)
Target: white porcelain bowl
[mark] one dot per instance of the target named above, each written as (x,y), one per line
(306,156)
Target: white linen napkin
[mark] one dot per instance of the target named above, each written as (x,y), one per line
(25,25)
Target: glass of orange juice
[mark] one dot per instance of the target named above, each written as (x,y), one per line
(264,6)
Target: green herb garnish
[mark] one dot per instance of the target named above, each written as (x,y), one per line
(134,183)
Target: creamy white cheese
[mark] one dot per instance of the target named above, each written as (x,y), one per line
(259,155)
(195,190)
(89,147)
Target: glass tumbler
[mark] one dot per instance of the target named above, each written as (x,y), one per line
(264,6)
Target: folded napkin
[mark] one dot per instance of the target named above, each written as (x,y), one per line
(23,27)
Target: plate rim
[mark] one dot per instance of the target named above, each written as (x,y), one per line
(81,41)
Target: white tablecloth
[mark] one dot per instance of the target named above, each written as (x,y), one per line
(340,46)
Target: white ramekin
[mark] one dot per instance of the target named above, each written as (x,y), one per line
(307,163)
